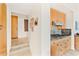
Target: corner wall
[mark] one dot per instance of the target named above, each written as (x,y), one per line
(8,29)
(35,36)
(45,30)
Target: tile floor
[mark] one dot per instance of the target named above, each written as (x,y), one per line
(19,41)
(20,47)
(22,52)
(72,53)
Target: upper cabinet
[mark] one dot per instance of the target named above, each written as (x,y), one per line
(58,17)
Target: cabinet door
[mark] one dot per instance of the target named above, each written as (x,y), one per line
(77,43)
(60,48)
(62,19)
(54,49)
(53,16)
(2,28)
(68,43)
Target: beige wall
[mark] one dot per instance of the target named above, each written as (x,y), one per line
(35,36)
(8,29)
(45,30)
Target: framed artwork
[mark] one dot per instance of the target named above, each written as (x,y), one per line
(36,21)
(25,24)
(32,23)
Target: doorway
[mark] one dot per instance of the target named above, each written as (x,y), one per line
(14,27)
(19,44)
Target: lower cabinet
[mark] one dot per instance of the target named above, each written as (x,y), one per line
(54,48)
(61,46)
(77,43)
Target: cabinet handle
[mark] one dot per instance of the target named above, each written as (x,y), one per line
(1,27)
(57,44)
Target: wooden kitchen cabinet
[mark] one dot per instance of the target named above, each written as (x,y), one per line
(60,46)
(68,45)
(57,16)
(3,45)
(54,48)
(77,43)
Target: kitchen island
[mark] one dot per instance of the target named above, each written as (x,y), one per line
(60,45)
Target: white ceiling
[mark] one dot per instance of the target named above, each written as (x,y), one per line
(67,6)
(24,8)
(73,6)
(28,8)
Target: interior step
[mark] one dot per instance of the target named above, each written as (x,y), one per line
(19,42)
(20,48)
(21,52)
(14,48)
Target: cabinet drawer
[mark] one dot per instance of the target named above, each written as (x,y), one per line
(54,51)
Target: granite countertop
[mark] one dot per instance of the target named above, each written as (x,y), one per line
(58,37)
(77,35)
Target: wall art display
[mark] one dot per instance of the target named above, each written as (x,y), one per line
(32,24)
